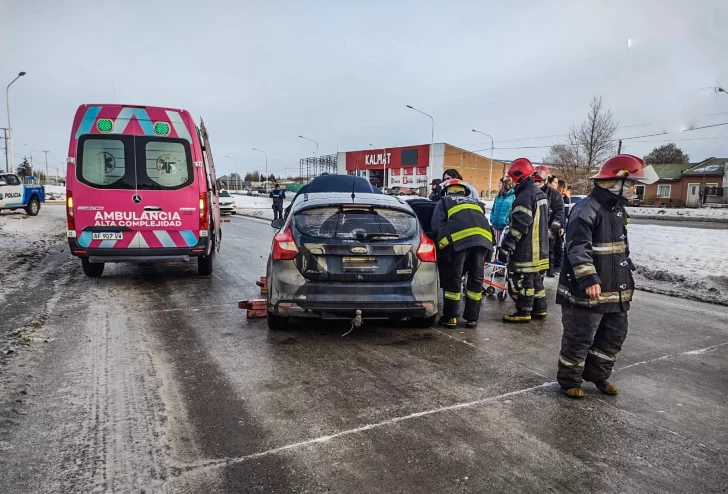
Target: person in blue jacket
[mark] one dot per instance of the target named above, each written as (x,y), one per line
(501,212)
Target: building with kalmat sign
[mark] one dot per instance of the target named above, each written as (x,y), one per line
(409,166)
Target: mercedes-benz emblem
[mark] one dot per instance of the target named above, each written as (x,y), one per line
(136,198)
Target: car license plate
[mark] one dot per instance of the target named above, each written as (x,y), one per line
(108,236)
(359,263)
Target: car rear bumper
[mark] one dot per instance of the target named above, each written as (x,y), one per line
(291,295)
(138,256)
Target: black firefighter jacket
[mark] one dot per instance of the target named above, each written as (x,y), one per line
(597,252)
(459,223)
(528,238)
(556,208)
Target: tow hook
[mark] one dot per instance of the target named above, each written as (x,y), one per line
(355,323)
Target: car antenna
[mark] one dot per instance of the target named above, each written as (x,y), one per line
(353,186)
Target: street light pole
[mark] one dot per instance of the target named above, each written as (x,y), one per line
(311,141)
(46,156)
(432,143)
(490,175)
(266,165)
(10,127)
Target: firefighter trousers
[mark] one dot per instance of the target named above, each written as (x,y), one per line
(590,345)
(528,291)
(453,266)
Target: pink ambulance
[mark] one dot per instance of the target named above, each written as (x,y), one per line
(140,188)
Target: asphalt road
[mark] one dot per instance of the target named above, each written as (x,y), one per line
(152,380)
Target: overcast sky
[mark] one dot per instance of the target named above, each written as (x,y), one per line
(261,73)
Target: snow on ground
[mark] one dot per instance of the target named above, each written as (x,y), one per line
(257,206)
(685,262)
(55,192)
(704,214)
(25,241)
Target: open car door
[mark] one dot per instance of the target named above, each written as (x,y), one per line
(212,184)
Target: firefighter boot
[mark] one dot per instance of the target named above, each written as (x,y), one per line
(449,322)
(607,388)
(538,315)
(575,393)
(518,317)
(471,324)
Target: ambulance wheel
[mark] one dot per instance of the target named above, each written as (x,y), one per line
(92,270)
(33,208)
(277,323)
(502,296)
(205,265)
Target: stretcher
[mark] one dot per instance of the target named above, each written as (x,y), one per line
(495,280)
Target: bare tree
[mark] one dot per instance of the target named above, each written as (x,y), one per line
(587,146)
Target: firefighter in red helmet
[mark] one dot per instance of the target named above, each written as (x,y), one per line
(556,214)
(596,285)
(526,246)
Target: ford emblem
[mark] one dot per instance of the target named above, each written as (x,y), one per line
(359,250)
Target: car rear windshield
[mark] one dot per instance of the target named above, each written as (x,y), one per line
(134,162)
(352,223)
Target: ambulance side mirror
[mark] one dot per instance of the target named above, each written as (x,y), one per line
(277,223)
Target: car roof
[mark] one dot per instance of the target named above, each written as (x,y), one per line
(319,199)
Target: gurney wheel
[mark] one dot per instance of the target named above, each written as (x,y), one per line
(502,296)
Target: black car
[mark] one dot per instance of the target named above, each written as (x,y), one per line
(341,252)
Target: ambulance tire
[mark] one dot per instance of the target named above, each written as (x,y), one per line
(92,270)
(33,207)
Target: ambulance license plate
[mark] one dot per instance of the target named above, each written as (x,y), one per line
(108,236)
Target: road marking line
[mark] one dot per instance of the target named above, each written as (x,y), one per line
(323,439)
(689,352)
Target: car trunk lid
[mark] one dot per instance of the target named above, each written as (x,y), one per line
(356,243)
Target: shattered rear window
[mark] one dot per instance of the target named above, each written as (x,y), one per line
(352,223)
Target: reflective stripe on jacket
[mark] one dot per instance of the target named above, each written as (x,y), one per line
(528,238)
(459,222)
(597,252)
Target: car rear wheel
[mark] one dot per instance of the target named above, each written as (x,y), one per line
(205,265)
(277,323)
(424,322)
(92,270)
(33,207)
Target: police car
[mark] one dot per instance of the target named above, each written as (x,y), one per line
(14,194)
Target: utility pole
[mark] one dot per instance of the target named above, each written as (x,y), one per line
(47,176)
(5,134)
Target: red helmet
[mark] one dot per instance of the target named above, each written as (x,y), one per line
(542,173)
(626,166)
(520,170)
(454,186)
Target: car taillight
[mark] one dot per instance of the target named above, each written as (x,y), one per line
(284,247)
(69,211)
(204,213)
(426,252)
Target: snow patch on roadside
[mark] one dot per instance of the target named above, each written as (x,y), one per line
(704,214)
(683,262)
